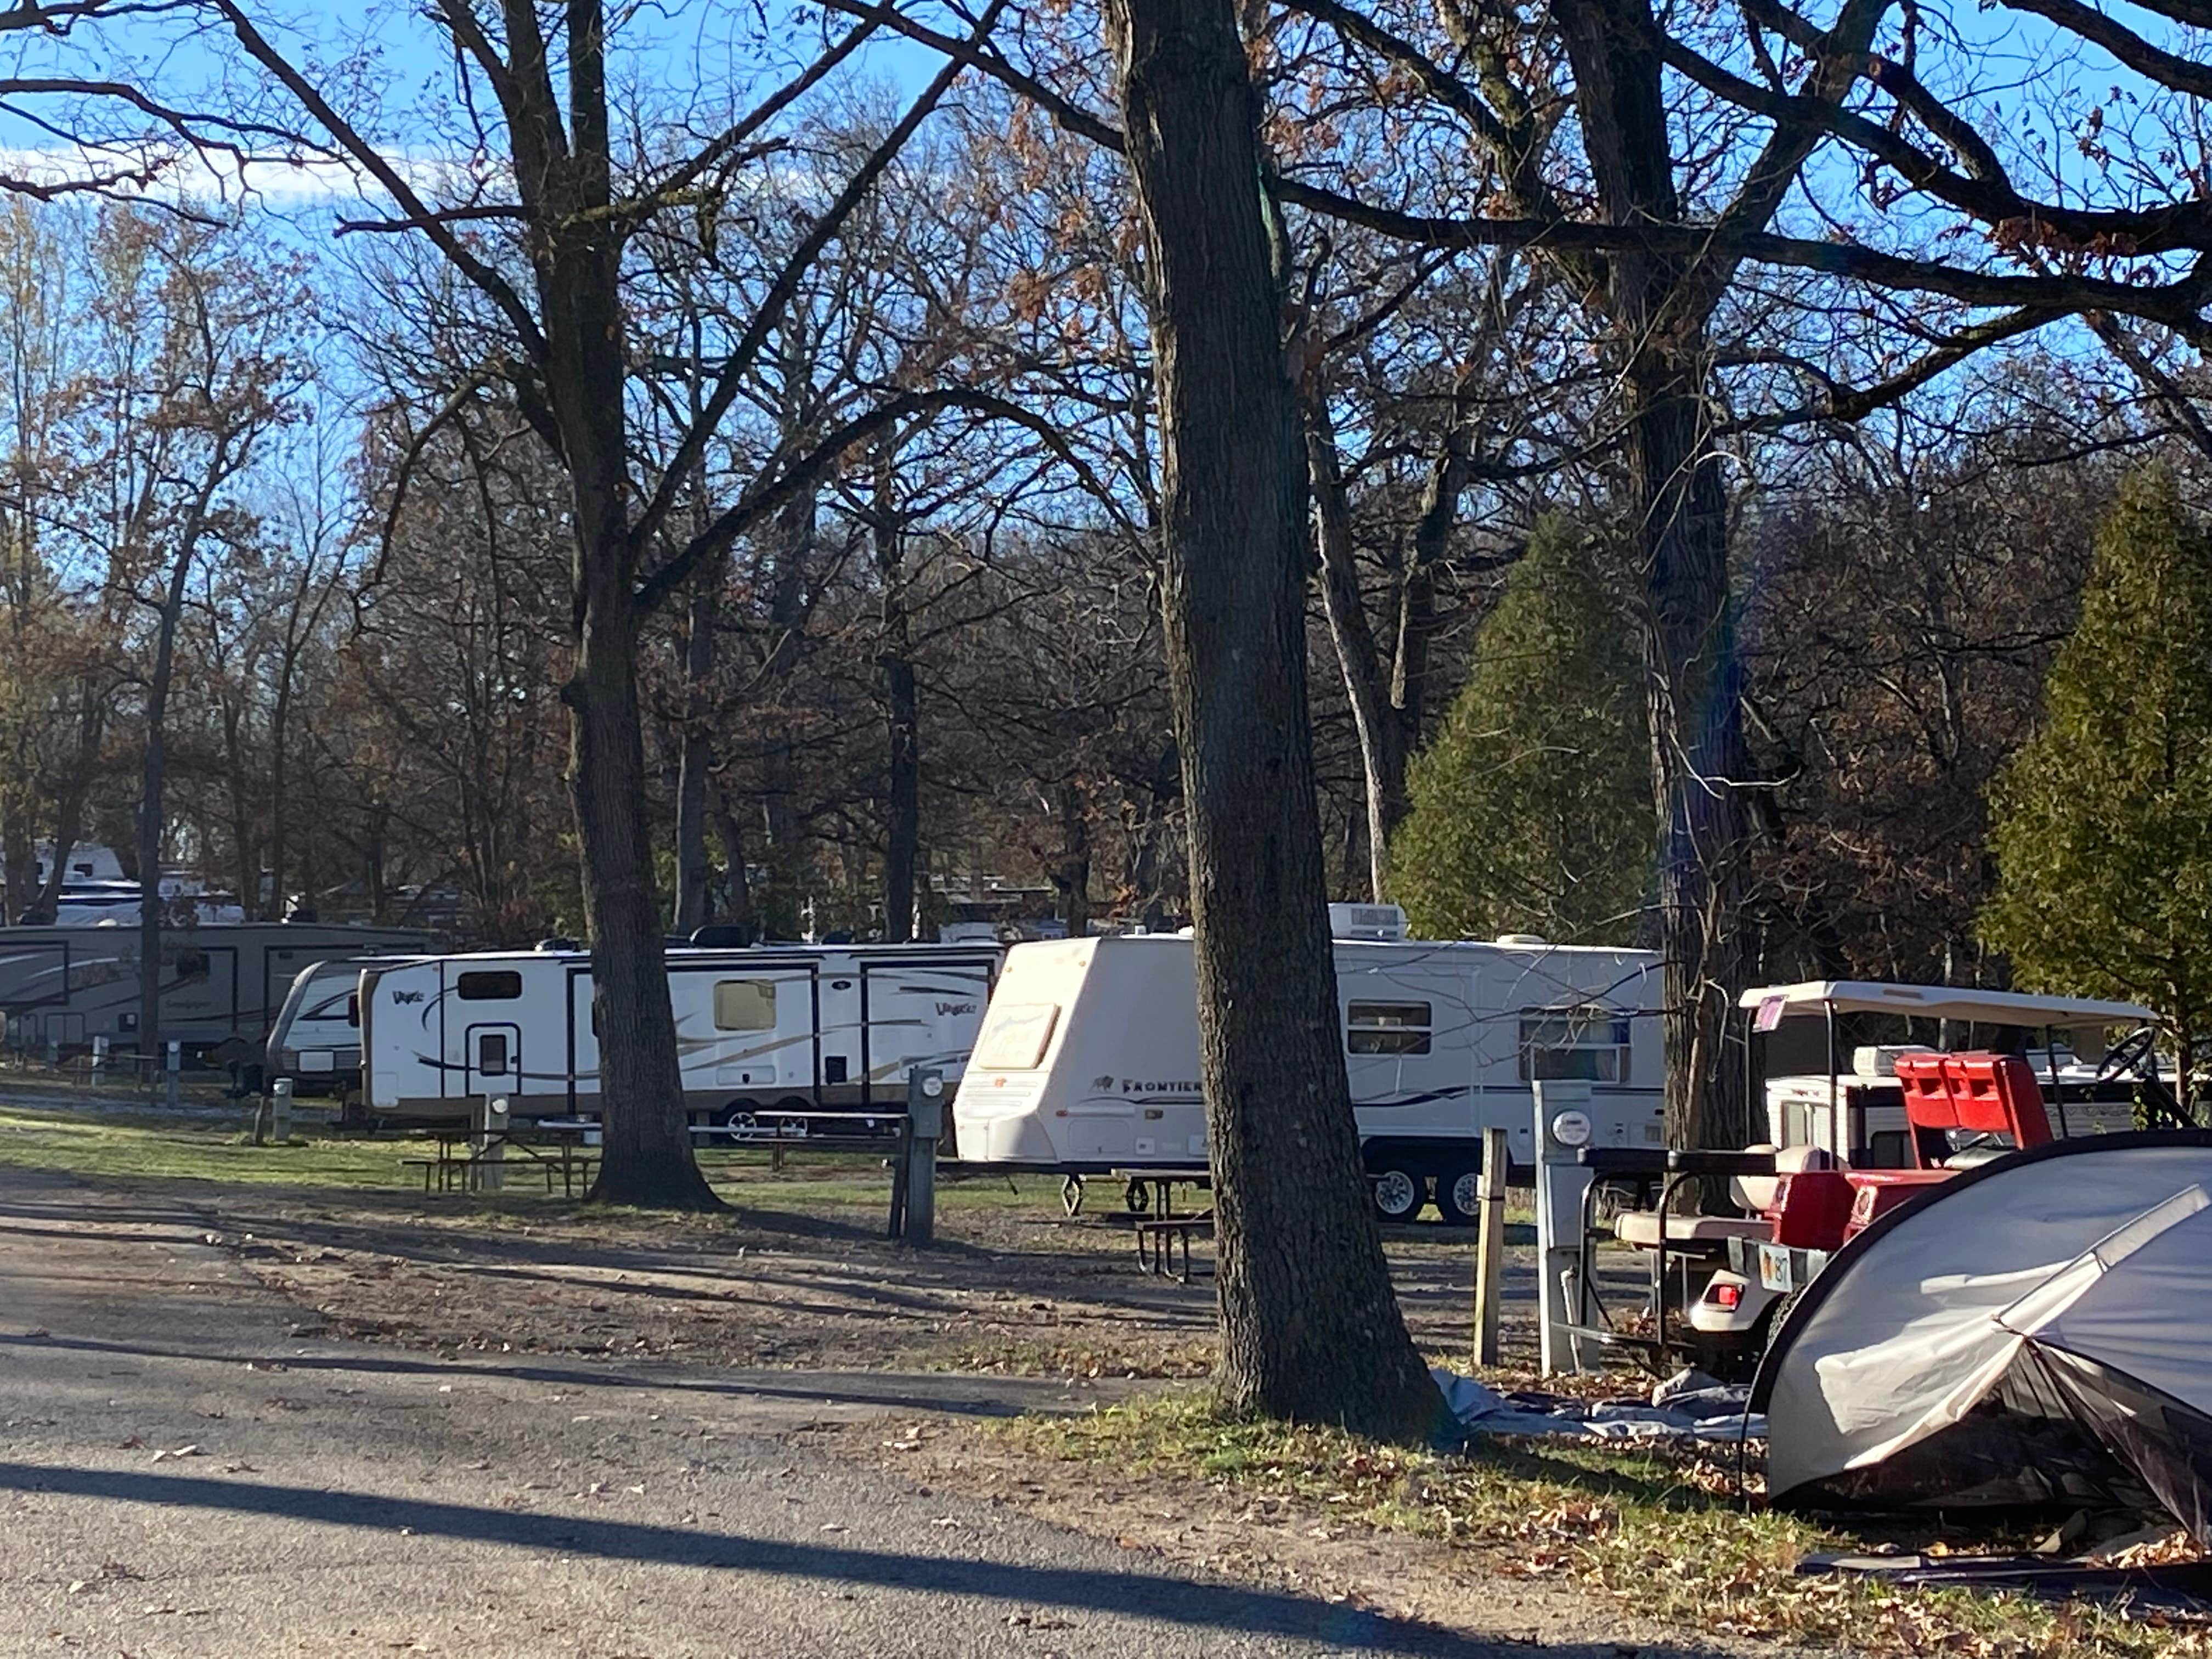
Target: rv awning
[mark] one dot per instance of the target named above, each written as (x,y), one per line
(1854,996)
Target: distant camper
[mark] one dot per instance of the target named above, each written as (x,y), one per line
(1088,1061)
(770,1028)
(220,983)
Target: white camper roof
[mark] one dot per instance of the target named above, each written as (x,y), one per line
(1856,996)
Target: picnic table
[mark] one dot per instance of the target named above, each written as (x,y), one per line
(465,1156)
(1159,1231)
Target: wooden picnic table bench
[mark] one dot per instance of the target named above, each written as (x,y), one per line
(461,1161)
(1158,1236)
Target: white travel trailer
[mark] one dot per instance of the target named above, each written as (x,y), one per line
(316,1038)
(1088,1060)
(768,1028)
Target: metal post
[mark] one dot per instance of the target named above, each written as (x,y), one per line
(100,1058)
(176,1072)
(488,1154)
(280,1111)
(1563,1129)
(1489,1245)
(925,1112)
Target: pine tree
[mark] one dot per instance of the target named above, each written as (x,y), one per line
(1531,809)
(2101,823)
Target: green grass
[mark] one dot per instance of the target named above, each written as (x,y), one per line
(1663,1536)
(151,1145)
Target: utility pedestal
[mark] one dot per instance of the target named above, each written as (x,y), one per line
(176,1056)
(1563,1128)
(100,1058)
(488,1149)
(280,1110)
(925,1127)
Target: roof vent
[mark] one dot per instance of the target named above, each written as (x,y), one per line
(1523,941)
(1369,921)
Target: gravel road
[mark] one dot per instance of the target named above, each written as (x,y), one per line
(182,1472)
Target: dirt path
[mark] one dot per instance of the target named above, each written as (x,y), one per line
(313,1494)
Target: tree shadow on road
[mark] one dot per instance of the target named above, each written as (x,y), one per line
(1155,1595)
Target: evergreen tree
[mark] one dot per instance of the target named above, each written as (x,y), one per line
(2101,824)
(1531,809)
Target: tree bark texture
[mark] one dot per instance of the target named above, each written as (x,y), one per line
(695,758)
(646,1157)
(153,779)
(1310,1328)
(902,707)
(1685,612)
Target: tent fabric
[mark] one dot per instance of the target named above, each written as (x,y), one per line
(1923,1326)
(1845,996)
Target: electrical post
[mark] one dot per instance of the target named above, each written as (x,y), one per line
(280,1111)
(1490,1245)
(490,1150)
(925,1114)
(176,1056)
(1563,1129)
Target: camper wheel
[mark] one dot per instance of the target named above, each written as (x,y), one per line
(1459,1197)
(1398,1193)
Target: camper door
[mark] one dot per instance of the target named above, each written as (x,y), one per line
(487,1008)
(583,1037)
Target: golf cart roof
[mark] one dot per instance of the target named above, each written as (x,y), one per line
(1854,996)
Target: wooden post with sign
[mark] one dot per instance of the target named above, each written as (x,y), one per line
(1489,1246)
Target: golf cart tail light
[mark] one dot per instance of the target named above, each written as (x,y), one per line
(1727,1295)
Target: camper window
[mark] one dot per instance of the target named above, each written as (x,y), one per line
(1015,1036)
(1387,1028)
(503,985)
(744,1005)
(1586,1044)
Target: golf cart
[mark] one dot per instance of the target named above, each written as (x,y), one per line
(1850,1146)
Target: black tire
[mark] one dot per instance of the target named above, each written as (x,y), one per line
(1459,1197)
(1398,1193)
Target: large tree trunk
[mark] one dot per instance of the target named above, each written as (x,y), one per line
(646,1158)
(1310,1328)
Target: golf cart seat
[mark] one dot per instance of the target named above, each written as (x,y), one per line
(1760,1193)
(1640,1228)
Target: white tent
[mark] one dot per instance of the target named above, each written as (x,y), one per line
(2034,1329)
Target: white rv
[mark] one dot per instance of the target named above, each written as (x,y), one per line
(316,1038)
(768,1028)
(1088,1060)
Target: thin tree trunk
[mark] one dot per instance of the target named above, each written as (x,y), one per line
(1145,874)
(902,708)
(153,779)
(1381,755)
(737,892)
(69,814)
(696,758)
(1071,869)
(1310,1328)
(1685,614)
